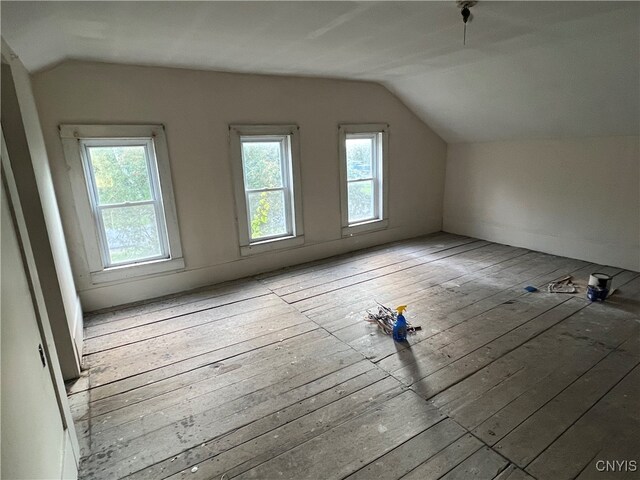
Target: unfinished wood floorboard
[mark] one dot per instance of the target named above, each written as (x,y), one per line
(473,362)
(113,364)
(292,275)
(409,455)
(421,277)
(177,322)
(612,422)
(439,350)
(99,324)
(396,259)
(512,472)
(422,285)
(279,431)
(411,280)
(222,373)
(445,460)
(438,307)
(279,376)
(304,433)
(126,456)
(210,357)
(531,437)
(436,316)
(484,463)
(207,394)
(572,336)
(460,369)
(337,285)
(446,302)
(358,441)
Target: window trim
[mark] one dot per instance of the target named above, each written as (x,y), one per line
(156,200)
(74,140)
(286,189)
(292,172)
(381,180)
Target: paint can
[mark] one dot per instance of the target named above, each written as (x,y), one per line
(597,294)
(600,280)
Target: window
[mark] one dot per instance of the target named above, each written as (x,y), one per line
(364,178)
(124,198)
(266,182)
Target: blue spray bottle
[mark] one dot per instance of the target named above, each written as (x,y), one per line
(400,327)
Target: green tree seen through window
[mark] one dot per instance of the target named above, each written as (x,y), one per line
(262,168)
(360,183)
(121,176)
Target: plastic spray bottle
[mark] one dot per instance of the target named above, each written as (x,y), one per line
(400,327)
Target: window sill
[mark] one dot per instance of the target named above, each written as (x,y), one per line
(365,227)
(270,245)
(138,270)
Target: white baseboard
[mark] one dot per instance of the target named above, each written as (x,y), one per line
(78,328)
(69,459)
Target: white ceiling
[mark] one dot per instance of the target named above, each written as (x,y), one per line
(529,69)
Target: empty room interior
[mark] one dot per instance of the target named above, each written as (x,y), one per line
(320,240)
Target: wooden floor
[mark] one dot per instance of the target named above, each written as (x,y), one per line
(280,377)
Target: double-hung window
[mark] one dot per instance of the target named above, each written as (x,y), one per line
(121,177)
(364,177)
(266,181)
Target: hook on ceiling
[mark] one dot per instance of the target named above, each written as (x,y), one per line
(464,6)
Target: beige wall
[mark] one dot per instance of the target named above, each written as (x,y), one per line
(196,108)
(576,197)
(21,127)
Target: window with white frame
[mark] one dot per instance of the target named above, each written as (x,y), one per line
(364,178)
(122,185)
(265,163)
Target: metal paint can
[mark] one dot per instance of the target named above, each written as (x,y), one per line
(600,280)
(597,294)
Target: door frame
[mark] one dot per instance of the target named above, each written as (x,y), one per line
(39,306)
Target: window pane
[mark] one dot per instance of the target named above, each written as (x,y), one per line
(120,173)
(261,164)
(267,214)
(131,233)
(361,201)
(359,158)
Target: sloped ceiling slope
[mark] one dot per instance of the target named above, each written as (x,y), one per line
(528,70)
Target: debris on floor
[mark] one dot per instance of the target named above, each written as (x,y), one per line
(385,318)
(530,289)
(564,285)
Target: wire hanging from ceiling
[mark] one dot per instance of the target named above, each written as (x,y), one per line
(465,11)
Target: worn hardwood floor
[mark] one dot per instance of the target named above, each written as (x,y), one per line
(279,376)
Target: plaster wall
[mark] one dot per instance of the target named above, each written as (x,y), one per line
(577,197)
(197,108)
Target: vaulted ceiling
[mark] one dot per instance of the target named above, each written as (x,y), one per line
(528,70)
